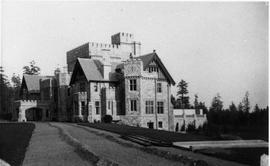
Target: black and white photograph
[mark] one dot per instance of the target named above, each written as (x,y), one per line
(134,83)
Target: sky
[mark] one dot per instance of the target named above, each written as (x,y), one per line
(217,47)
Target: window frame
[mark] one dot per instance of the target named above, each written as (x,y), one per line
(96,87)
(159,87)
(160,107)
(133,105)
(97,106)
(149,107)
(133,85)
(160,124)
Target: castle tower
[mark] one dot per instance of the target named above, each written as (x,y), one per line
(127,43)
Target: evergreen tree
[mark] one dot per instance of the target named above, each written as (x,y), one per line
(5,102)
(196,103)
(246,103)
(217,104)
(232,107)
(182,91)
(16,81)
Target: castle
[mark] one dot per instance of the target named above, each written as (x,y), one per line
(102,79)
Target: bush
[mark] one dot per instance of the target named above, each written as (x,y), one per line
(107,119)
(183,127)
(191,127)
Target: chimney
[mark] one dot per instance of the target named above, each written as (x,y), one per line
(154,51)
(107,67)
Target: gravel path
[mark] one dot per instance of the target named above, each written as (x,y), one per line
(47,148)
(115,152)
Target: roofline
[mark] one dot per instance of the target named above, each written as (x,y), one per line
(156,57)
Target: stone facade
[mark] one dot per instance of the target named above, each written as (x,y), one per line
(107,79)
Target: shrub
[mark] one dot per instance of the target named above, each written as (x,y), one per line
(191,127)
(107,119)
(183,127)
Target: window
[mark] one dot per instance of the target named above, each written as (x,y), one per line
(149,107)
(112,107)
(47,113)
(150,125)
(160,124)
(133,105)
(97,107)
(160,107)
(68,91)
(82,87)
(159,88)
(152,69)
(96,87)
(109,105)
(133,85)
(83,107)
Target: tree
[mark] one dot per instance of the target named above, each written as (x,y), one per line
(215,110)
(182,91)
(246,103)
(196,103)
(232,107)
(256,108)
(16,81)
(217,104)
(32,69)
(5,99)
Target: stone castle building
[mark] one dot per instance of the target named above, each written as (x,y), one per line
(102,79)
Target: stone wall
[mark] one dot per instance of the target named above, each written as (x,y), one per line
(146,91)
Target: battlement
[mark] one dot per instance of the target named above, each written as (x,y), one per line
(122,37)
(103,45)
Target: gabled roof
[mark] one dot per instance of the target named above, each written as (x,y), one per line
(92,69)
(32,82)
(148,58)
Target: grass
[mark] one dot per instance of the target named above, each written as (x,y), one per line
(150,133)
(250,156)
(14,139)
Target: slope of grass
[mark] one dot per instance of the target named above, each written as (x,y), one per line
(150,133)
(14,139)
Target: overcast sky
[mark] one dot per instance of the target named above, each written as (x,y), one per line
(217,47)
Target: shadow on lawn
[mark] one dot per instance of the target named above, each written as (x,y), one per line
(14,139)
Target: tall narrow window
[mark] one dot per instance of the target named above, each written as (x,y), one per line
(160,107)
(83,107)
(97,107)
(112,107)
(96,87)
(133,105)
(149,107)
(109,105)
(159,87)
(133,85)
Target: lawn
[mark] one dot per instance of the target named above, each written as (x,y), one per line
(150,133)
(14,139)
(250,156)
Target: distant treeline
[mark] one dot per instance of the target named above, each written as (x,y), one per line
(241,120)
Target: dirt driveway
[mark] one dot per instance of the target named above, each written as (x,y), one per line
(46,148)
